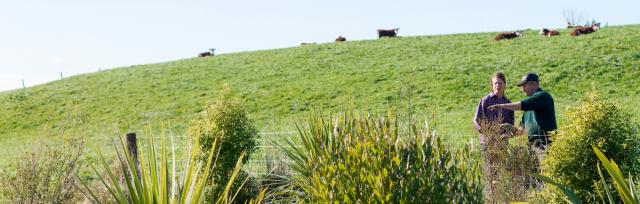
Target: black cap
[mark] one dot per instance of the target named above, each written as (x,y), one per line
(527,78)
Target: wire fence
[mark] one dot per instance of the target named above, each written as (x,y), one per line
(266,155)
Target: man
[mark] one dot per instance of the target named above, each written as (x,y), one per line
(539,117)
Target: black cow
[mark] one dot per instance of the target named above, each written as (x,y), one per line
(388,33)
(508,35)
(210,53)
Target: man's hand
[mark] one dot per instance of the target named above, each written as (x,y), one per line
(495,107)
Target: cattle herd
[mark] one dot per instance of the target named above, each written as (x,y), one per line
(577,30)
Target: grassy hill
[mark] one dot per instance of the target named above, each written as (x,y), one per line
(442,76)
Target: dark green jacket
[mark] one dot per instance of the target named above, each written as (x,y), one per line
(539,116)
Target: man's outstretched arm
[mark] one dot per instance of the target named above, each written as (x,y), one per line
(510,106)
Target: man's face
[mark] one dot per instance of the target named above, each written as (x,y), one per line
(529,88)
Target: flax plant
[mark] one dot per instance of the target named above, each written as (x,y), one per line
(156,181)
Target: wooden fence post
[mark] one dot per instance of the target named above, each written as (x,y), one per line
(133,150)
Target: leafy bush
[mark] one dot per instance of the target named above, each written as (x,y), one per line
(348,159)
(44,175)
(627,192)
(570,160)
(225,118)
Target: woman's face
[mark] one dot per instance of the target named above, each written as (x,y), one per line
(497,85)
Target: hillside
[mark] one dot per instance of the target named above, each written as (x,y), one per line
(449,74)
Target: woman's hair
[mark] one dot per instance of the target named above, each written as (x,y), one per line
(499,75)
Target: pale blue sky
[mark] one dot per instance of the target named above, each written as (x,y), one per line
(40,39)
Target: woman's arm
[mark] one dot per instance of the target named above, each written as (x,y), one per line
(478,115)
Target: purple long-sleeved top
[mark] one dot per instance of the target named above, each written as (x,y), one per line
(483,112)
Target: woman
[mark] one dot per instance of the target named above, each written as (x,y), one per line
(485,117)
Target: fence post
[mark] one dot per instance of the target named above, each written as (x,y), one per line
(23,86)
(133,150)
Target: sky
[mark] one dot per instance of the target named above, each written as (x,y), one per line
(39,40)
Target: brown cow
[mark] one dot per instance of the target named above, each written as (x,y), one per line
(388,33)
(547,32)
(341,39)
(580,30)
(210,53)
(508,35)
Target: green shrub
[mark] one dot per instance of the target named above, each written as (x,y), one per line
(364,160)
(224,118)
(45,175)
(626,188)
(570,160)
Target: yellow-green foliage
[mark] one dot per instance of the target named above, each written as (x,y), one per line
(571,161)
(224,118)
(348,159)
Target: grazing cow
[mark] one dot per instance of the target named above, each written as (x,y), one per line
(547,32)
(508,35)
(341,39)
(210,53)
(580,30)
(388,33)
(310,43)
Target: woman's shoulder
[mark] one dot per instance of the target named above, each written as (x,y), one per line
(493,99)
(488,96)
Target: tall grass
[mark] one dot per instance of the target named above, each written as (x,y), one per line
(366,159)
(508,161)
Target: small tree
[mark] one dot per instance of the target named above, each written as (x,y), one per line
(224,118)
(571,160)
(572,18)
